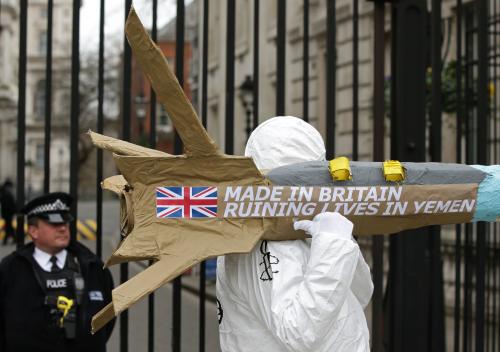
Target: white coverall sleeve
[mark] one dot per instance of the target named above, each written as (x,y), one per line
(303,307)
(362,284)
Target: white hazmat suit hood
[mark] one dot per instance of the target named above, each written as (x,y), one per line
(303,295)
(284,140)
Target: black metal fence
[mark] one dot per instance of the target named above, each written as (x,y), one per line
(408,314)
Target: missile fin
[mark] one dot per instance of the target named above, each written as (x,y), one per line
(120,147)
(168,90)
(114,184)
(191,252)
(102,317)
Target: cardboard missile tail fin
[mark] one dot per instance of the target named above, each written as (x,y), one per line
(185,253)
(175,244)
(168,91)
(120,147)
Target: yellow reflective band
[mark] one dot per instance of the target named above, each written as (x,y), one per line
(340,169)
(85,230)
(394,171)
(64,304)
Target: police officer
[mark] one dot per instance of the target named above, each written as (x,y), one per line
(51,288)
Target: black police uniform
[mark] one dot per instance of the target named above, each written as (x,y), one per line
(30,319)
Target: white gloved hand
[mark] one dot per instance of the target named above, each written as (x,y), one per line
(332,223)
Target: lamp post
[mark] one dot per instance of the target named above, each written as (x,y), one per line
(246,96)
(140,112)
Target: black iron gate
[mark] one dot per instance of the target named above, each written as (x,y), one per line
(412,316)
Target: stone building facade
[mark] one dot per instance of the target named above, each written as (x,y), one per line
(294,71)
(317,84)
(61,96)
(35,93)
(317,68)
(9,37)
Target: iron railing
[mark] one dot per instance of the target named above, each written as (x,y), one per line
(412,318)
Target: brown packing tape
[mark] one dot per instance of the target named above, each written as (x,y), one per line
(102,317)
(145,174)
(126,213)
(168,91)
(386,209)
(149,230)
(182,171)
(430,194)
(366,226)
(187,250)
(115,184)
(177,244)
(121,147)
(180,241)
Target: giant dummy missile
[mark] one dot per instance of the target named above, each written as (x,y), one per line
(179,210)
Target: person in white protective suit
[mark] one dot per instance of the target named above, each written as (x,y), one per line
(302,295)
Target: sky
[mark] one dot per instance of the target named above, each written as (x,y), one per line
(114,19)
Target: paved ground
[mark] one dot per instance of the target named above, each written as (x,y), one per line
(138,315)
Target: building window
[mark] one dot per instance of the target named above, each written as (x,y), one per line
(215,34)
(42,43)
(40,99)
(163,119)
(40,155)
(65,106)
(213,122)
(242,28)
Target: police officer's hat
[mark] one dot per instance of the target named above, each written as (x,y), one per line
(53,208)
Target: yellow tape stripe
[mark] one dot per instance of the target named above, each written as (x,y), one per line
(14,225)
(85,231)
(91,224)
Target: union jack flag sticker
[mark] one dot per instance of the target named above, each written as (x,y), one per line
(186,202)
